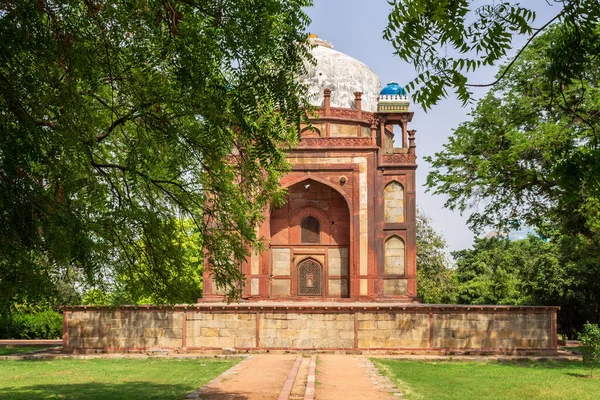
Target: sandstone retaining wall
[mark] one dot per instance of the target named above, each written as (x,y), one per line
(293,326)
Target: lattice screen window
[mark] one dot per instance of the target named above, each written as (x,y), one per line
(310,282)
(311,230)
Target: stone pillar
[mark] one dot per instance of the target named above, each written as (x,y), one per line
(374,131)
(327,101)
(358,104)
(411,141)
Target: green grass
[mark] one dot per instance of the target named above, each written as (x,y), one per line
(7,351)
(106,379)
(473,380)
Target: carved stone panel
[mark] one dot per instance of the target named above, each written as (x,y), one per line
(336,142)
(310,278)
(400,158)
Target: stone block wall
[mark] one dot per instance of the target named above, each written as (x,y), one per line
(323,326)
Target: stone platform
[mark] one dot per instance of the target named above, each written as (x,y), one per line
(304,326)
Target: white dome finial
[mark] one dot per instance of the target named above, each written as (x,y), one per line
(315,40)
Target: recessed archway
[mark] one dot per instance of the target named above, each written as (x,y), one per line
(314,223)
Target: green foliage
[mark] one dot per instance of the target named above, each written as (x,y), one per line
(528,153)
(97,297)
(531,157)
(499,271)
(119,120)
(445,40)
(436,281)
(41,325)
(590,345)
(533,271)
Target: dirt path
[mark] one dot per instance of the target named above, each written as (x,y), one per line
(293,377)
(349,377)
(258,377)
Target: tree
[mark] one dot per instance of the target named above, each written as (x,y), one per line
(180,277)
(560,272)
(445,40)
(436,280)
(590,345)
(528,156)
(119,120)
(499,271)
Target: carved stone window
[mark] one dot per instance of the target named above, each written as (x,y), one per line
(310,281)
(310,230)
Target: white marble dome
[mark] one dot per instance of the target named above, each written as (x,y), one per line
(343,75)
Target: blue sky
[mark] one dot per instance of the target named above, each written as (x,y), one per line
(355,28)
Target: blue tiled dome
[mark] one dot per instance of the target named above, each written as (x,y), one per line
(393,88)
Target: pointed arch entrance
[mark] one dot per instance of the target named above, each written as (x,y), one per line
(310,243)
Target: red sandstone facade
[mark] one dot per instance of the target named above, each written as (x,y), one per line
(348,228)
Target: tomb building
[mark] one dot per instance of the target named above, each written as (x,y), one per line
(339,271)
(347,230)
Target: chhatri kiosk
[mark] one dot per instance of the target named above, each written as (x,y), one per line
(347,231)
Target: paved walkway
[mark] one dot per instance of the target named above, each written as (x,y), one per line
(294,377)
(349,377)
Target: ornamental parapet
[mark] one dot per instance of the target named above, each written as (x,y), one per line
(345,113)
(400,158)
(336,142)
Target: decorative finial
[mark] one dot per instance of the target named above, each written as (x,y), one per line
(315,40)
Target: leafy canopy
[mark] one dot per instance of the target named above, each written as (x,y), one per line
(436,281)
(532,149)
(121,121)
(561,271)
(446,39)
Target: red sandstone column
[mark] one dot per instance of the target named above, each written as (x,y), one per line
(327,101)
(374,132)
(411,141)
(358,103)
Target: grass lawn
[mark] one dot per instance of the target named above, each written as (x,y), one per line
(107,378)
(476,380)
(7,351)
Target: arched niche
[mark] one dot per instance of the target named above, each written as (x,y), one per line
(318,200)
(395,259)
(394,202)
(315,223)
(310,132)
(310,230)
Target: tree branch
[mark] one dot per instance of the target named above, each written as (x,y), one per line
(115,124)
(519,53)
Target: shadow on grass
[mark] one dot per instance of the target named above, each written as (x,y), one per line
(104,391)
(584,376)
(546,364)
(8,351)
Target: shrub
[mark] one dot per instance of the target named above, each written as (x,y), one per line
(41,325)
(590,345)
